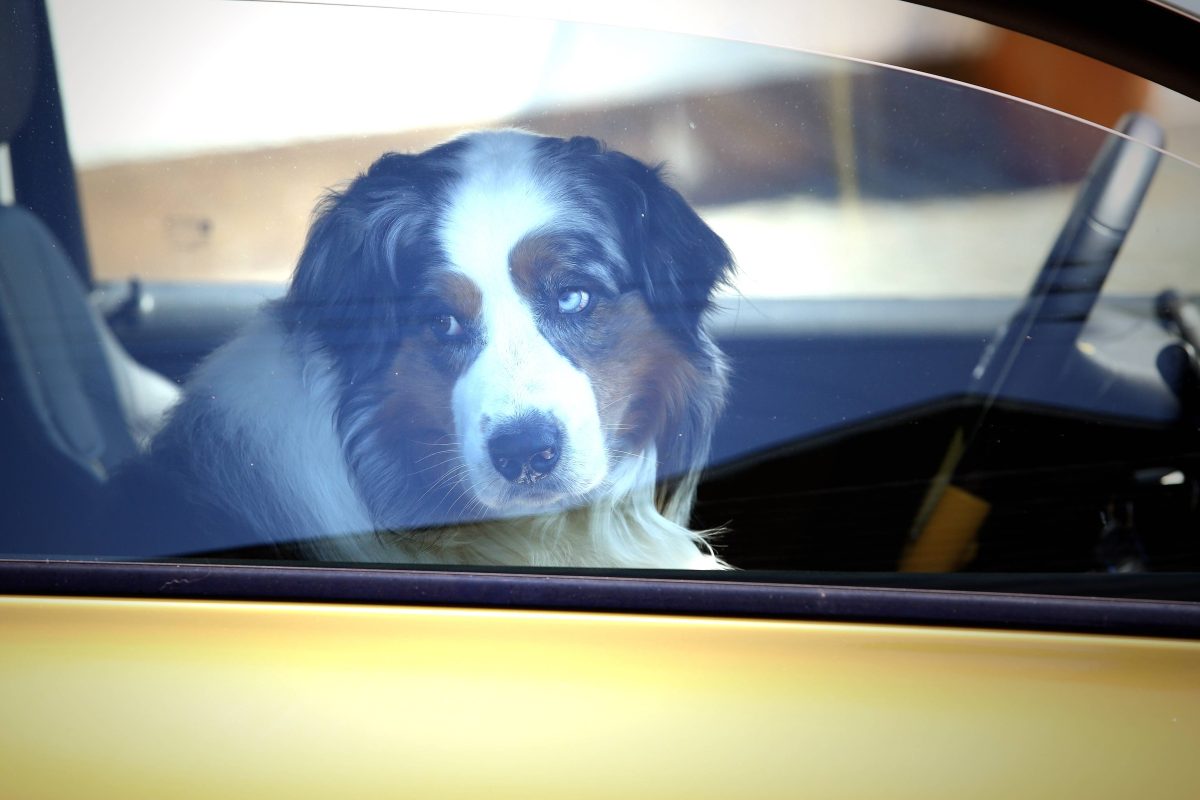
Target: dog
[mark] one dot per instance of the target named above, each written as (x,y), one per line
(490,353)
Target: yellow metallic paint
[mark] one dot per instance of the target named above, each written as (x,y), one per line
(134,698)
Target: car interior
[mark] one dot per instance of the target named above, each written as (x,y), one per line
(956,439)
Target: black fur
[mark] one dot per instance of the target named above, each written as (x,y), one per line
(677,262)
(354,295)
(366,252)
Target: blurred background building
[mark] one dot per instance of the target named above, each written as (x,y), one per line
(204,133)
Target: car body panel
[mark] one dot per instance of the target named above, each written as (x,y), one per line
(192,698)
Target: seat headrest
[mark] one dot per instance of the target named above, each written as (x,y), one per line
(18,64)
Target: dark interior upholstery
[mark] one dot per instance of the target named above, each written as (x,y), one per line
(73,403)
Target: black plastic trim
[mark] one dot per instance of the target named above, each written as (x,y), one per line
(43,172)
(1139,36)
(619,594)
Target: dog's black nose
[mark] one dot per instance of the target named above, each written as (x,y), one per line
(526,450)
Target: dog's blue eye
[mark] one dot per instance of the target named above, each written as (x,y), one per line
(572,301)
(446,326)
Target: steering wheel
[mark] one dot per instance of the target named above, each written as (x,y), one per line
(1053,313)
(1066,287)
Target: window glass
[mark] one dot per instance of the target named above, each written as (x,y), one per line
(904,390)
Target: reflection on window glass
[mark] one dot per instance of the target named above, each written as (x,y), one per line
(824,336)
(868,178)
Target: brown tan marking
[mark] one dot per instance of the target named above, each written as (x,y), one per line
(460,295)
(529,260)
(641,377)
(416,415)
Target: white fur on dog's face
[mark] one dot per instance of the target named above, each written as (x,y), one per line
(503,325)
(517,372)
(516,324)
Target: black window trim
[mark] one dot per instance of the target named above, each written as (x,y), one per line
(735,595)
(1145,37)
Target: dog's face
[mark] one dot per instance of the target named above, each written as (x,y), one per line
(515,318)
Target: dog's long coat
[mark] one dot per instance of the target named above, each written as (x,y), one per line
(490,353)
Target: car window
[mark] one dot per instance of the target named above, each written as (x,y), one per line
(884,326)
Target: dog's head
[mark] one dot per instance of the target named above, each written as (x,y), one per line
(514,319)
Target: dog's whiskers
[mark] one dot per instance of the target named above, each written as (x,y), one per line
(452,452)
(452,477)
(447,439)
(615,400)
(435,467)
(463,491)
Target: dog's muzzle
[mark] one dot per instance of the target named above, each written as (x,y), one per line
(526,449)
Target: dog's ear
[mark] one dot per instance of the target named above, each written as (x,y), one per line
(693,406)
(676,258)
(677,261)
(365,250)
(331,262)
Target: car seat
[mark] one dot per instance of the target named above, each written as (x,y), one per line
(73,403)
